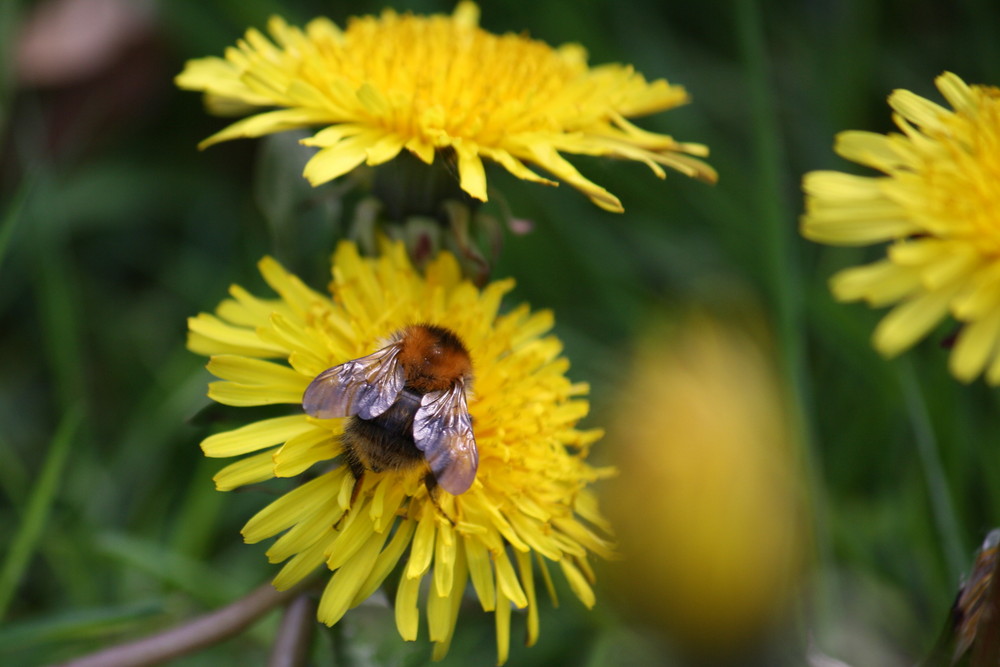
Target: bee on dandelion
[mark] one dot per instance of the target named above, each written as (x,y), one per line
(402,464)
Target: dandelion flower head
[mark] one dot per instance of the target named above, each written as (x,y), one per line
(529,506)
(439,83)
(706,450)
(937,203)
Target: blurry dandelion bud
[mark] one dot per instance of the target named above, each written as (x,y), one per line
(709,502)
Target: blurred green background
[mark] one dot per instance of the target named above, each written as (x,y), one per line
(114,229)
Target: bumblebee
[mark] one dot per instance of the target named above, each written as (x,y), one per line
(407,406)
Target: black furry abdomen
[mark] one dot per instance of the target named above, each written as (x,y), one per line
(384,442)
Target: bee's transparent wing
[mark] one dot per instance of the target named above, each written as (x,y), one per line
(364,387)
(442,430)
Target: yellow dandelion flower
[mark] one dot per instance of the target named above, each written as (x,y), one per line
(708,453)
(440,83)
(528,506)
(938,203)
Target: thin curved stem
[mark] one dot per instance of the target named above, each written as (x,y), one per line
(193,635)
(939,495)
(298,624)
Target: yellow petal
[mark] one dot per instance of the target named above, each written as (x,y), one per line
(535,535)
(242,395)
(423,545)
(446,609)
(308,529)
(528,582)
(245,370)
(353,536)
(578,583)
(407,616)
(221,78)
(516,167)
(258,435)
(345,582)
(386,561)
(288,333)
(919,110)
(502,618)
(959,264)
(507,581)
(471,173)
(910,321)
(918,252)
(550,587)
(302,565)
(466,14)
(868,148)
(299,297)
(444,559)
(385,149)
(247,310)
(210,335)
(330,163)
(585,537)
(286,510)
(250,470)
(993,372)
(481,572)
(957,92)
(837,186)
(266,123)
(976,345)
(880,283)
(981,297)
(302,451)
(388,498)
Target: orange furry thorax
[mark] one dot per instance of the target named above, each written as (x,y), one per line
(433,358)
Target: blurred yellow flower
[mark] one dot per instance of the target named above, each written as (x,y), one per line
(438,83)
(529,500)
(939,206)
(708,505)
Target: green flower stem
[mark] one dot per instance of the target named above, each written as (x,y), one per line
(945,519)
(193,635)
(43,493)
(298,625)
(782,273)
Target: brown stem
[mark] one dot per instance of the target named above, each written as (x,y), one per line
(193,635)
(291,644)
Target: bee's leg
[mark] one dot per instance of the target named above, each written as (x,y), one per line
(431,483)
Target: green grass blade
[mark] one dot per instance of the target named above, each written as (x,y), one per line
(28,533)
(14,477)
(77,625)
(11,218)
(945,518)
(781,269)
